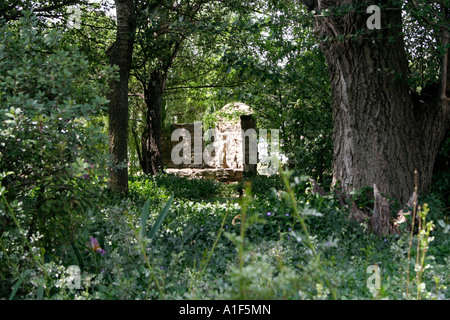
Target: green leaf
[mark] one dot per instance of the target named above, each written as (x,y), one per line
(161,217)
(40,293)
(144,217)
(445,227)
(19,283)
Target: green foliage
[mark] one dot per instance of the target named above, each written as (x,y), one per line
(50,164)
(286,83)
(48,151)
(266,57)
(160,219)
(182,187)
(263,184)
(253,247)
(277,241)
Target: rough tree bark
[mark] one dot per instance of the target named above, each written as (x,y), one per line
(120,54)
(154,86)
(152,161)
(382,130)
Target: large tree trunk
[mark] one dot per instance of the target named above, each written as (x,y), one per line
(382,131)
(152,161)
(120,54)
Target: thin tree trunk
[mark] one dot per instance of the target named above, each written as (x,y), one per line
(137,145)
(120,54)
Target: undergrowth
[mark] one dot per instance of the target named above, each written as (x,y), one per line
(264,238)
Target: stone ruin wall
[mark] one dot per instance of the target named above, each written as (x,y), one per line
(228,164)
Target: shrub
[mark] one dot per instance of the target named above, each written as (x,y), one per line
(182,187)
(51,169)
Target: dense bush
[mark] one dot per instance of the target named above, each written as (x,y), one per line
(183,187)
(51,169)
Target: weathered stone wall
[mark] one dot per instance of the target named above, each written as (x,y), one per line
(232,144)
(168,145)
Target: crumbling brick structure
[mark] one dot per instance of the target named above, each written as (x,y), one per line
(233,151)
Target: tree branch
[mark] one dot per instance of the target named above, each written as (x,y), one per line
(208,86)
